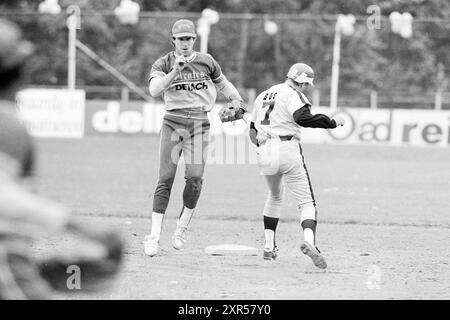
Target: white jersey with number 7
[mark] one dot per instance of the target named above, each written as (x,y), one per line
(273,111)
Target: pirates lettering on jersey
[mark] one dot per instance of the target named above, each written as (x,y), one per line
(183,77)
(191,76)
(194,86)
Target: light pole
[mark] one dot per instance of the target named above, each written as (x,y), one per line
(203,30)
(271,28)
(208,18)
(73,23)
(127,13)
(344,25)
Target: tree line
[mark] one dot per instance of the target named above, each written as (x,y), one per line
(374,59)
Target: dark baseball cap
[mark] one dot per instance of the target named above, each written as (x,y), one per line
(13,49)
(183,28)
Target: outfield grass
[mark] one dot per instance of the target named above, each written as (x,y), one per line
(352,184)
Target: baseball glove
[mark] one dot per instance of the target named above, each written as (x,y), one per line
(232,111)
(94,273)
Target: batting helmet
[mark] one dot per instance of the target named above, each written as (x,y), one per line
(13,49)
(301,73)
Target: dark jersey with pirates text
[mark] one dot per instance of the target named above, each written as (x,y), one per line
(194,86)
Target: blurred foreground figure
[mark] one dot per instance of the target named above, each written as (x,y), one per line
(25,217)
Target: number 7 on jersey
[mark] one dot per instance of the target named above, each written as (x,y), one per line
(270,104)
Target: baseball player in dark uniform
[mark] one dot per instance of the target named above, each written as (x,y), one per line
(278,115)
(188,82)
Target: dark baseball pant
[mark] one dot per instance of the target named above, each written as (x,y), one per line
(187,135)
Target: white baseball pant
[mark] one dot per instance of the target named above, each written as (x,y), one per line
(283,160)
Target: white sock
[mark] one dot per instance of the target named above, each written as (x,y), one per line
(270,239)
(183,221)
(308,235)
(157,219)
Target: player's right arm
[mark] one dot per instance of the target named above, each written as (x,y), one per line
(160,79)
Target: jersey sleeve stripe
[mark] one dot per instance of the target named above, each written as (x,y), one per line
(303,99)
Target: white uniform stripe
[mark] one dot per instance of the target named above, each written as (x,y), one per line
(307,175)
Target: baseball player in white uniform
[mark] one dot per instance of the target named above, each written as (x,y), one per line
(278,115)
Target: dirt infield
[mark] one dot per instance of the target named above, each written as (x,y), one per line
(364,262)
(384,223)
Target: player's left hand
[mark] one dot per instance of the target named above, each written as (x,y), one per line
(233,111)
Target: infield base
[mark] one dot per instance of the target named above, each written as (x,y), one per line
(231,250)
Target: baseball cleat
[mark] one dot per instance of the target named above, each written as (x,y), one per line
(270,254)
(314,253)
(179,238)
(150,245)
